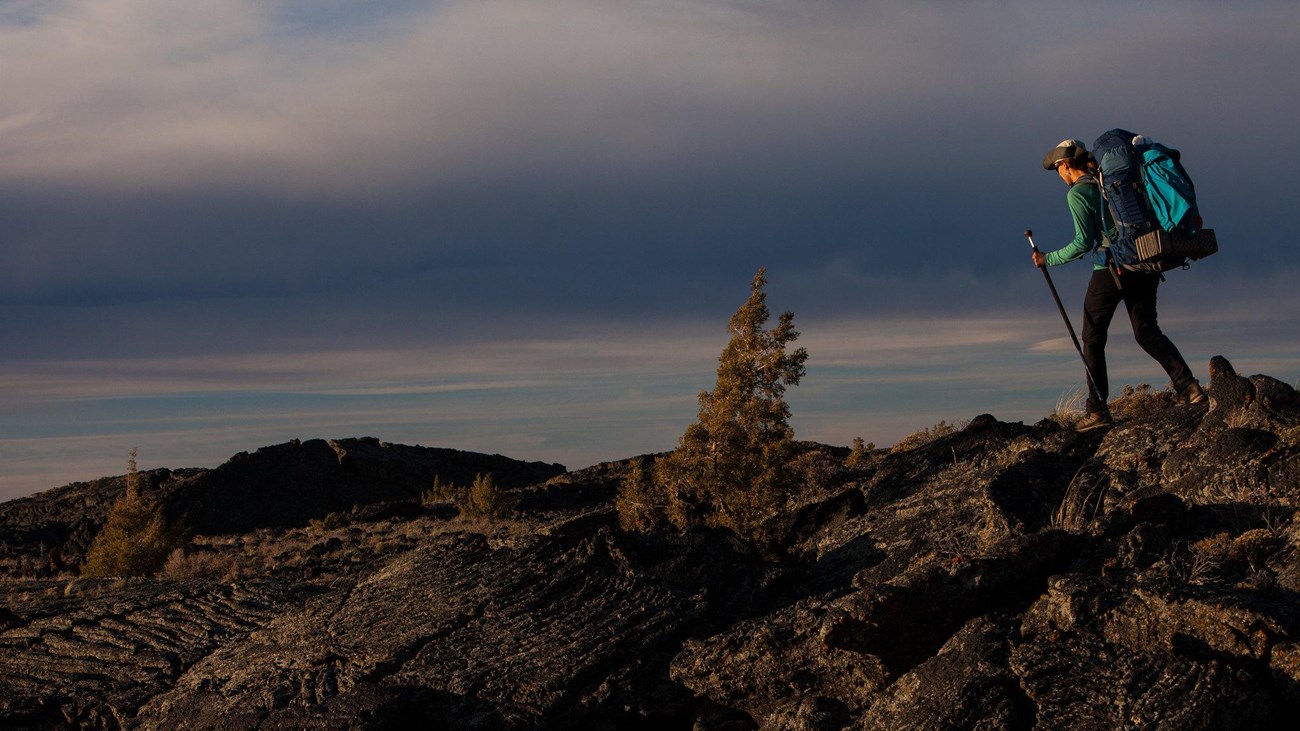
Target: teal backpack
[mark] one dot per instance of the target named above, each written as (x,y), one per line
(1169,189)
(1152,201)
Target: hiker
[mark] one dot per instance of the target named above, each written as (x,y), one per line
(1108,287)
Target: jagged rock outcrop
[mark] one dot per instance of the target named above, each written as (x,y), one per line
(1002,576)
(291,483)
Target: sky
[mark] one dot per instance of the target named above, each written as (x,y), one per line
(520,227)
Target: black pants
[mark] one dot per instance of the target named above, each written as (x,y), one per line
(1139,297)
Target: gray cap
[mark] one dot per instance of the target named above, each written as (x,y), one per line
(1066,150)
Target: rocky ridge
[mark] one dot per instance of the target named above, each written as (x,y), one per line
(1002,576)
(275,487)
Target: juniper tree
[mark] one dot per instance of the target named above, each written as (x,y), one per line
(640,503)
(731,467)
(135,540)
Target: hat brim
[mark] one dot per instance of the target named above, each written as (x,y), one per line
(1057,154)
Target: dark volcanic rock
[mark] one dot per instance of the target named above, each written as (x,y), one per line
(89,657)
(1082,682)
(949,556)
(999,577)
(967,684)
(564,631)
(289,484)
(768,665)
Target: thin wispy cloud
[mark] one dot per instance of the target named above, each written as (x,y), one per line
(571,399)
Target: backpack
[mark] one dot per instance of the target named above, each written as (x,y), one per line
(1152,202)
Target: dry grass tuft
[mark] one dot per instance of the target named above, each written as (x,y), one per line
(1080,504)
(1133,402)
(201,565)
(1070,407)
(1139,401)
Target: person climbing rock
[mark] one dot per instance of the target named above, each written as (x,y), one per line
(1077,168)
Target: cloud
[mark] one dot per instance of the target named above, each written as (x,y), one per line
(144,94)
(243,149)
(131,93)
(1053,346)
(258,220)
(587,394)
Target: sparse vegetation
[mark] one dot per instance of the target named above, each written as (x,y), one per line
(483,499)
(929,556)
(1242,559)
(859,454)
(486,500)
(1132,402)
(200,565)
(332,521)
(135,540)
(440,492)
(1081,503)
(926,436)
(732,467)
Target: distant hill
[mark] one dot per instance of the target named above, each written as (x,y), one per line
(275,487)
(1001,576)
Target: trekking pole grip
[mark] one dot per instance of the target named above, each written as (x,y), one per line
(1030,235)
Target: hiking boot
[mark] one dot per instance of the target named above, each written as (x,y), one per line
(1193,394)
(1094,420)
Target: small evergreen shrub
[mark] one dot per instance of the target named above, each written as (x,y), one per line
(816,470)
(486,500)
(640,506)
(1256,547)
(135,540)
(860,453)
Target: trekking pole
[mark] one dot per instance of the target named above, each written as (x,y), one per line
(1092,389)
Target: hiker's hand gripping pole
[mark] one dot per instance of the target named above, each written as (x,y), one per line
(1092,389)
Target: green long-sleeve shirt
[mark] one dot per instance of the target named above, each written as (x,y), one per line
(1084,199)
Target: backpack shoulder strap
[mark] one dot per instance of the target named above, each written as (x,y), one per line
(1090,179)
